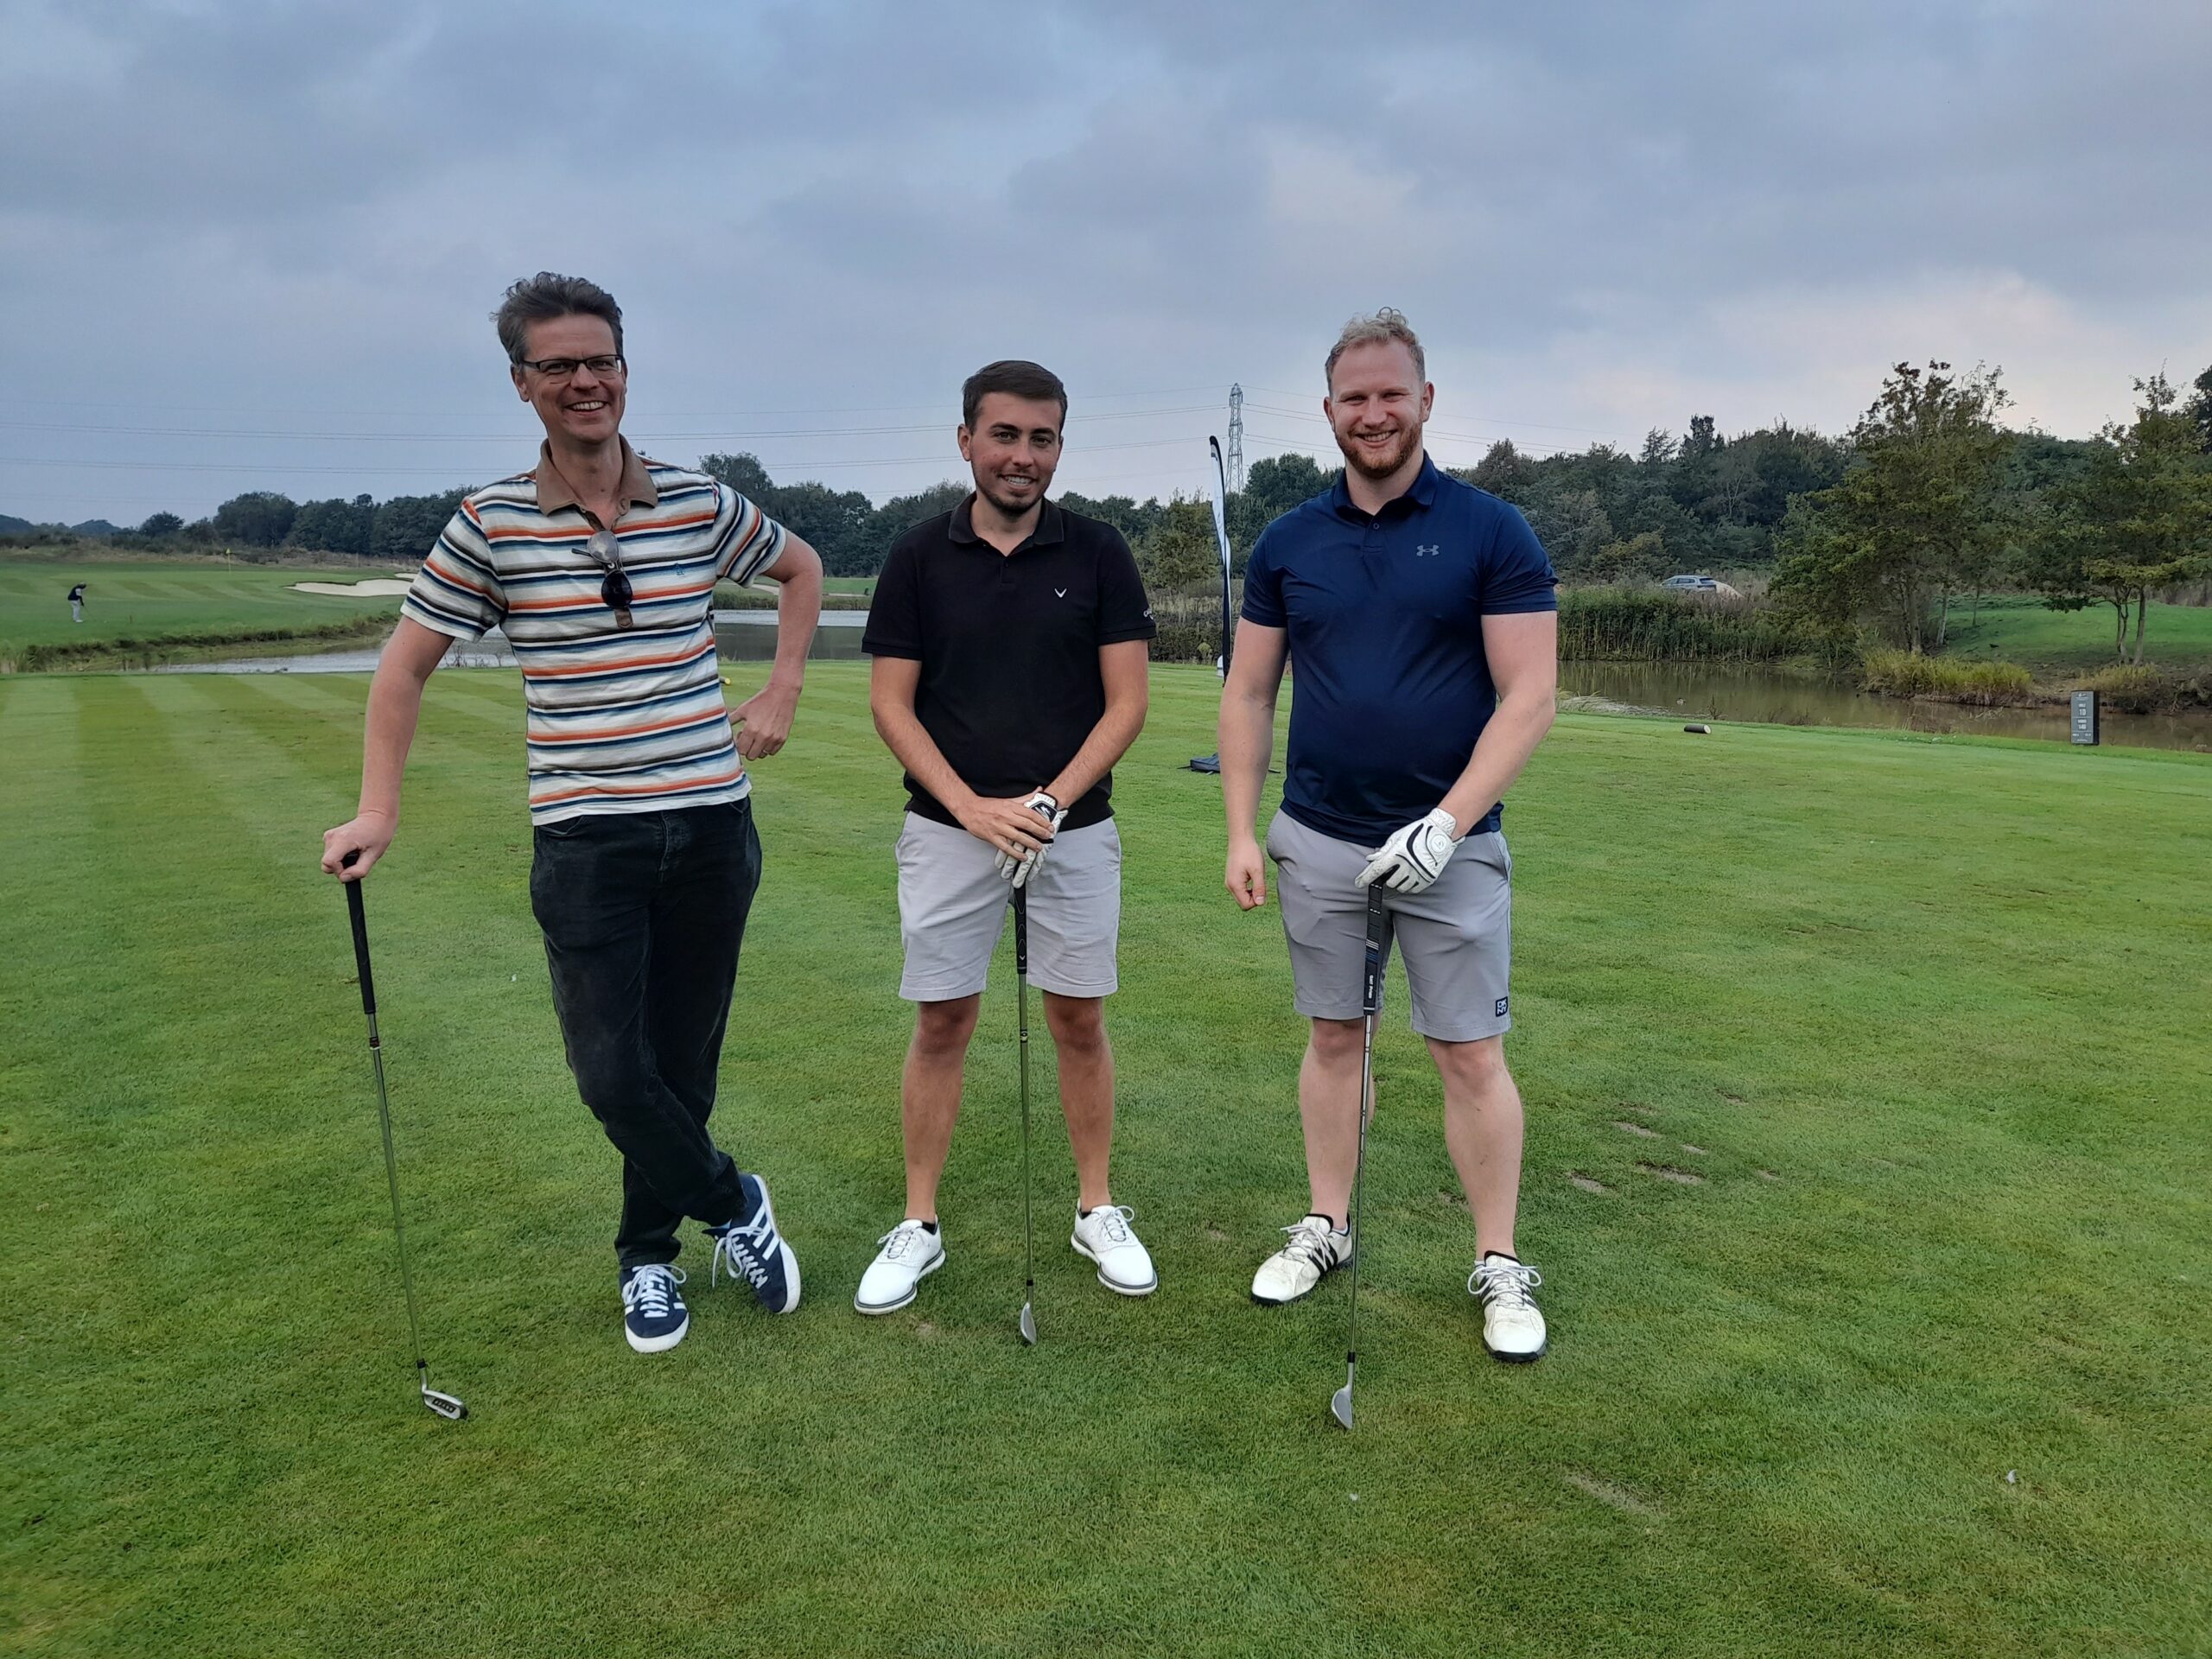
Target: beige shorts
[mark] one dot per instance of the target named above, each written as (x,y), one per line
(953,905)
(1458,935)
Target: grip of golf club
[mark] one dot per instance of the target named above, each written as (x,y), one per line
(1020,934)
(1370,996)
(360,937)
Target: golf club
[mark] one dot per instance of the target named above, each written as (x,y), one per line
(1022,1005)
(1213,762)
(445,1405)
(1371,1002)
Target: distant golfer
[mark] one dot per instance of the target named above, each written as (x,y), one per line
(1421,615)
(1010,643)
(76,602)
(600,566)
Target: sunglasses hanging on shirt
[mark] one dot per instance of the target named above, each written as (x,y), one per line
(615,591)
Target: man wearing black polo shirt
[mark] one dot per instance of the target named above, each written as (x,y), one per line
(1010,639)
(1421,615)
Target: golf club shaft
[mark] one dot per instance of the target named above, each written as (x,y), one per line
(1371,1006)
(1021,1023)
(384,1121)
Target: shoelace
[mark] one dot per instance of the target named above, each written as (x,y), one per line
(1505,1284)
(739,1248)
(897,1241)
(650,1288)
(1116,1222)
(1313,1242)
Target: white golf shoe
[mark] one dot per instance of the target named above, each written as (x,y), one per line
(1104,1236)
(1316,1248)
(1513,1328)
(910,1252)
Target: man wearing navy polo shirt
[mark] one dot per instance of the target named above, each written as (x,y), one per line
(1421,614)
(1010,639)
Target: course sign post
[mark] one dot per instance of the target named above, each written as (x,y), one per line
(2085,717)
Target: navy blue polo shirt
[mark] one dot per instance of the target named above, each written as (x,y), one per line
(1389,684)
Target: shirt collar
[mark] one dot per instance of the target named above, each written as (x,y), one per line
(1421,492)
(1052,527)
(635,490)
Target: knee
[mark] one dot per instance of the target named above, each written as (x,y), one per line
(1078,1024)
(942,1029)
(1479,1067)
(1338,1042)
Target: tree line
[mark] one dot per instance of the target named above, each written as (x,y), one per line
(1928,499)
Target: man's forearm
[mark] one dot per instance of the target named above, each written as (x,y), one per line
(395,707)
(1508,739)
(798,614)
(911,745)
(1109,741)
(1247,738)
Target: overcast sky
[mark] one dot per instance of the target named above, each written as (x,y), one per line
(252,246)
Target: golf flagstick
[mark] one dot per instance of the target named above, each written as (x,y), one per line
(1213,762)
(446,1405)
(1028,1324)
(1371,1002)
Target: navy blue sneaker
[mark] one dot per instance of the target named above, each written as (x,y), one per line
(653,1314)
(753,1250)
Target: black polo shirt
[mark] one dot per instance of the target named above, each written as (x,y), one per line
(1008,645)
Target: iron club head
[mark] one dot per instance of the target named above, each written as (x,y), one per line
(446,1405)
(1028,1325)
(1340,1406)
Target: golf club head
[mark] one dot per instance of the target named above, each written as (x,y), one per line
(1028,1325)
(1340,1406)
(446,1405)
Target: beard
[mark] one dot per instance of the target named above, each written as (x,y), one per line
(1370,465)
(1006,503)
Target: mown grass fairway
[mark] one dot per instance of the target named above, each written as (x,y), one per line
(172,600)
(1867,1168)
(2023,630)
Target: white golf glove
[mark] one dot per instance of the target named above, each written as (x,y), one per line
(1018,870)
(1415,856)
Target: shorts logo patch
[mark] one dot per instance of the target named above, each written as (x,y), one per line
(1500,1009)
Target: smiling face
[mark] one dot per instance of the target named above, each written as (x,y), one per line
(1376,404)
(582,408)
(1013,449)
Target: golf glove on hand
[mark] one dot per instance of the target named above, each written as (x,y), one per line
(1018,870)
(1415,856)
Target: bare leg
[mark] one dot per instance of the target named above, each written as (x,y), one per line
(929,1095)
(1483,1132)
(1328,1107)
(1086,1060)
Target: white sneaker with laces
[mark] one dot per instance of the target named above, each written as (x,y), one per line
(1104,1236)
(1316,1248)
(910,1252)
(1513,1328)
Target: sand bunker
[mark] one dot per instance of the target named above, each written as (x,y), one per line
(374,587)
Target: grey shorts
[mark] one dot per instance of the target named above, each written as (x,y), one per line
(1458,936)
(953,904)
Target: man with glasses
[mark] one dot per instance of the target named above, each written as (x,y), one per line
(601,567)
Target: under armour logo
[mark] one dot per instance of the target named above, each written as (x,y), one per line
(1059,592)
(1425,552)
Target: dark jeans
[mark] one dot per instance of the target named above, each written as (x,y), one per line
(643,914)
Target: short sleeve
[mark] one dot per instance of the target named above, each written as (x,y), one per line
(1263,584)
(457,591)
(1516,575)
(895,610)
(747,540)
(1124,613)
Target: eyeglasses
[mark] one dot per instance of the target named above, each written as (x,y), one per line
(615,591)
(560,368)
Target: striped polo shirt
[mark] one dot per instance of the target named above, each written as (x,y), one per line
(620,720)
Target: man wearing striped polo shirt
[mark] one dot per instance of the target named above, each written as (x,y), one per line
(601,567)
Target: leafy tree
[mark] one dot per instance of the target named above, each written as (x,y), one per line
(258,519)
(407,526)
(336,525)
(1504,471)
(1573,527)
(1659,449)
(742,472)
(1182,554)
(1275,484)
(2200,411)
(1916,520)
(160,524)
(2136,518)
